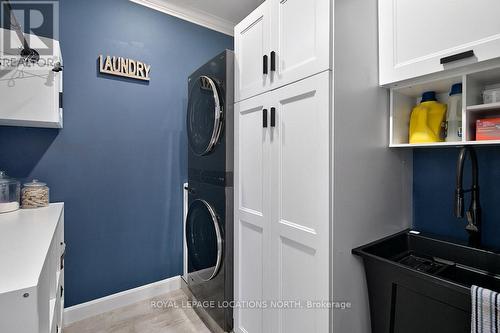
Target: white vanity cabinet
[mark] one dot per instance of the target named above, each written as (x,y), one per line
(281,42)
(31,94)
(417,38)
(32,252)
(282,210)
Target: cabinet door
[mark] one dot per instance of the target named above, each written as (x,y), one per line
(416,35)
(30,93)
(300,204)
(300,39)
(251,44)
(251,236)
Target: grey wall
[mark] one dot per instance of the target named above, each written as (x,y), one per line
(372,196)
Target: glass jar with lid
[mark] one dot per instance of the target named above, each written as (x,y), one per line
(35,194)
(9,193)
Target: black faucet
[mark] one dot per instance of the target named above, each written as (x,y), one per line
(474,213)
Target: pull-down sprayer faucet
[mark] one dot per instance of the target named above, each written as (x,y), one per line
(474,213)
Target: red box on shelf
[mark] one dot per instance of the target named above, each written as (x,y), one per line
(488,129)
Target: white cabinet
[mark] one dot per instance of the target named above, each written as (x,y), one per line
(252,208)
(300,203)
(427,36)
(32,289)
(281,42)
(251,44)
(300,39)
(31,94)
(282,172)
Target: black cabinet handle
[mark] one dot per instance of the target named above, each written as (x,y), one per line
(273,61)
(273,117)
(61,267)
(456,57)
(62,291)
(265,65)
(264,118)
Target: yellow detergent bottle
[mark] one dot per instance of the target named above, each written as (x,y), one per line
(427,121)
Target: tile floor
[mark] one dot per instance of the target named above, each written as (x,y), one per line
(142,317)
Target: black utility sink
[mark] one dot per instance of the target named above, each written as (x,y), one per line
(419,283)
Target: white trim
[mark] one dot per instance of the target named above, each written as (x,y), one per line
(115,301)
(199,17)
(184,214)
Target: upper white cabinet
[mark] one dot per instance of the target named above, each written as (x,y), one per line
(281,42)
(251,44)
(31,94)
(427,36)
(300,40)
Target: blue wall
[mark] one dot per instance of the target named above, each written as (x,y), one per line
(434,188)
(120,161)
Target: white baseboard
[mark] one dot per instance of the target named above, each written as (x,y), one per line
(115,301)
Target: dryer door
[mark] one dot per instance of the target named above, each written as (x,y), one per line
(204,240)
(204,116)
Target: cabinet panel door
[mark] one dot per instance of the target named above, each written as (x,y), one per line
(251,44)
(300,39)
(300,203)
(29,94)
(416,35)
(251,210)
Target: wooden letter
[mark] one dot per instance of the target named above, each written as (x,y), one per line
(132,67)
(108,66)
(124,66)
(116,65)
(140,69)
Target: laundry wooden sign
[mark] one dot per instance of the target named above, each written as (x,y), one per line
(124,67)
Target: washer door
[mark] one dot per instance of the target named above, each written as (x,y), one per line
(203,239)
(204,116)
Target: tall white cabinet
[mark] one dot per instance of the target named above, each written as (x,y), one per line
(283,193)
(313,175)
(282,166)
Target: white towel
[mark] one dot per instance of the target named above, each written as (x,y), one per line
(485,311)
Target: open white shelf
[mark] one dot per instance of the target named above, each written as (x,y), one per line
(404,99)
(446,144)
(483,107)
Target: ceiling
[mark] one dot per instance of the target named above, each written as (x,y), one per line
(219,15)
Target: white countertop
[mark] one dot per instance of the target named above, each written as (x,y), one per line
(25,238)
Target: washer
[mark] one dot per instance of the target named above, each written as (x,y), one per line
(209,220)
(210,118)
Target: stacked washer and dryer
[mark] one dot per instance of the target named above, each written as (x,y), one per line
(209,191)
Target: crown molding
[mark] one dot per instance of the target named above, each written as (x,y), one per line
(198,17)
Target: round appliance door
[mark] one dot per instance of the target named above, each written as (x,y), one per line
(203,239)
(204,116)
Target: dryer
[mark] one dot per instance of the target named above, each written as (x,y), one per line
(209,220)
